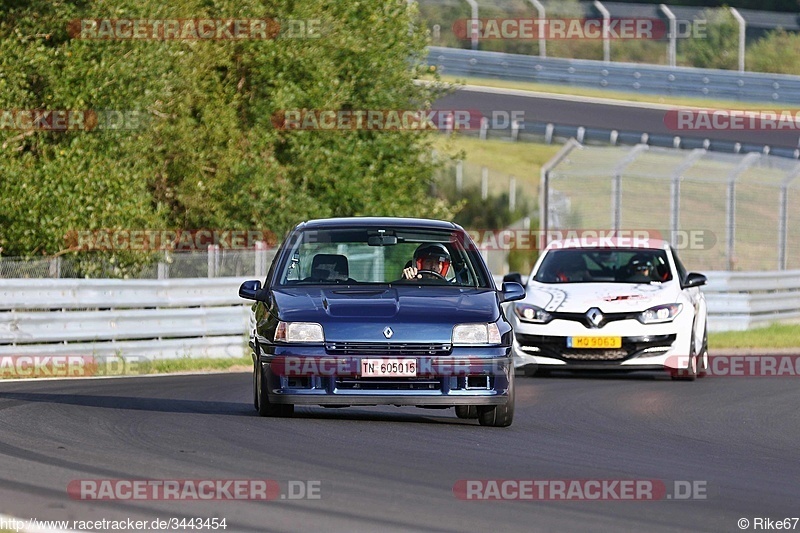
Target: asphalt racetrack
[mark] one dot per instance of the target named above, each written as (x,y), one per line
(603,114)
(395,469)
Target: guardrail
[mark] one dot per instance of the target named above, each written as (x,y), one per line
(146,318)
(548,132)
(744,300)
(206,317)
(630,77)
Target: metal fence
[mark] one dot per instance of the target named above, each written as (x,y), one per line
(215,262)
(650,79)
(723,211)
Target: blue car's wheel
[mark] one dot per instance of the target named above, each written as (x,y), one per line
(263,405)
(466,411)
(499,415)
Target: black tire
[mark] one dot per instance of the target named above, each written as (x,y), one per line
(690,372)
(702,363)
(467,411)
(263,405)
(499,416)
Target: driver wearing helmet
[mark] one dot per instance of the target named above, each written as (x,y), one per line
(640,269)
(431,261)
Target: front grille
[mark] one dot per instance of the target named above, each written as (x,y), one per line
(556,347)
(387,348)
(357,383)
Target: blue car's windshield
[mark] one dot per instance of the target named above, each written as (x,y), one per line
(378,256)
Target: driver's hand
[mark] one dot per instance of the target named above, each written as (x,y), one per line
(410,273)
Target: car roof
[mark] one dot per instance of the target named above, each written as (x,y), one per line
(378,222)
(608,243)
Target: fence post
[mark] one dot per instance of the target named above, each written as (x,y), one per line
(163,270)
(55,267)
(616,183)
(213,260)
(261,259)
(544,193)
(484,128)
(606,24)
(675,191)
(512,193)
(783,218)
(484,183)
(730,205)
(473,24)
(671,47)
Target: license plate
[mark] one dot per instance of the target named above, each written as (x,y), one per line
(388,368)
(594,342)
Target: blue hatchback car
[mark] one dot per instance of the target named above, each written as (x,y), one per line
(382,311)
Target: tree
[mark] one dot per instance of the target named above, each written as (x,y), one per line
(206,153)
(719,47)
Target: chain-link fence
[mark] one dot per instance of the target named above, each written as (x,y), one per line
(213,263)
(722,211)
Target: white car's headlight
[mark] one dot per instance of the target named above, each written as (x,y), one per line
(299,332)
(660,313)
(531,313)
(472,334)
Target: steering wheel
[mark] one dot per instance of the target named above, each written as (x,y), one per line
(435,274)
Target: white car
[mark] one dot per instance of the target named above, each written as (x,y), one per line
(610,307)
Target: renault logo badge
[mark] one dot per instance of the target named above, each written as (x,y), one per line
(387,332)
(595,317)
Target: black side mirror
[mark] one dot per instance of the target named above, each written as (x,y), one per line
(693,279)
(514,277)
(249,290)
(512,291)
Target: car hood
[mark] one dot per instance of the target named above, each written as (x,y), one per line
(415,314)
(608,297)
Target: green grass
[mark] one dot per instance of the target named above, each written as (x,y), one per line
(503,158)
(616,95)
(773,336)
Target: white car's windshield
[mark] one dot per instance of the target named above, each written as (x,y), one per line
(604,265)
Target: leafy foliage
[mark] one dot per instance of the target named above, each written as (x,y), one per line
(720,46)
(207,153)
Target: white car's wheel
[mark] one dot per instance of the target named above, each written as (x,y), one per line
(690,372)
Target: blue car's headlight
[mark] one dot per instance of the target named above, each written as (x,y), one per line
(660,314)
(299,332)
(531,313)
(472,334)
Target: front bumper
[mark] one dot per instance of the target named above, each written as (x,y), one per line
(644,347)
(466,376)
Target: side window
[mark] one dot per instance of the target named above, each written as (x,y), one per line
(680,267)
